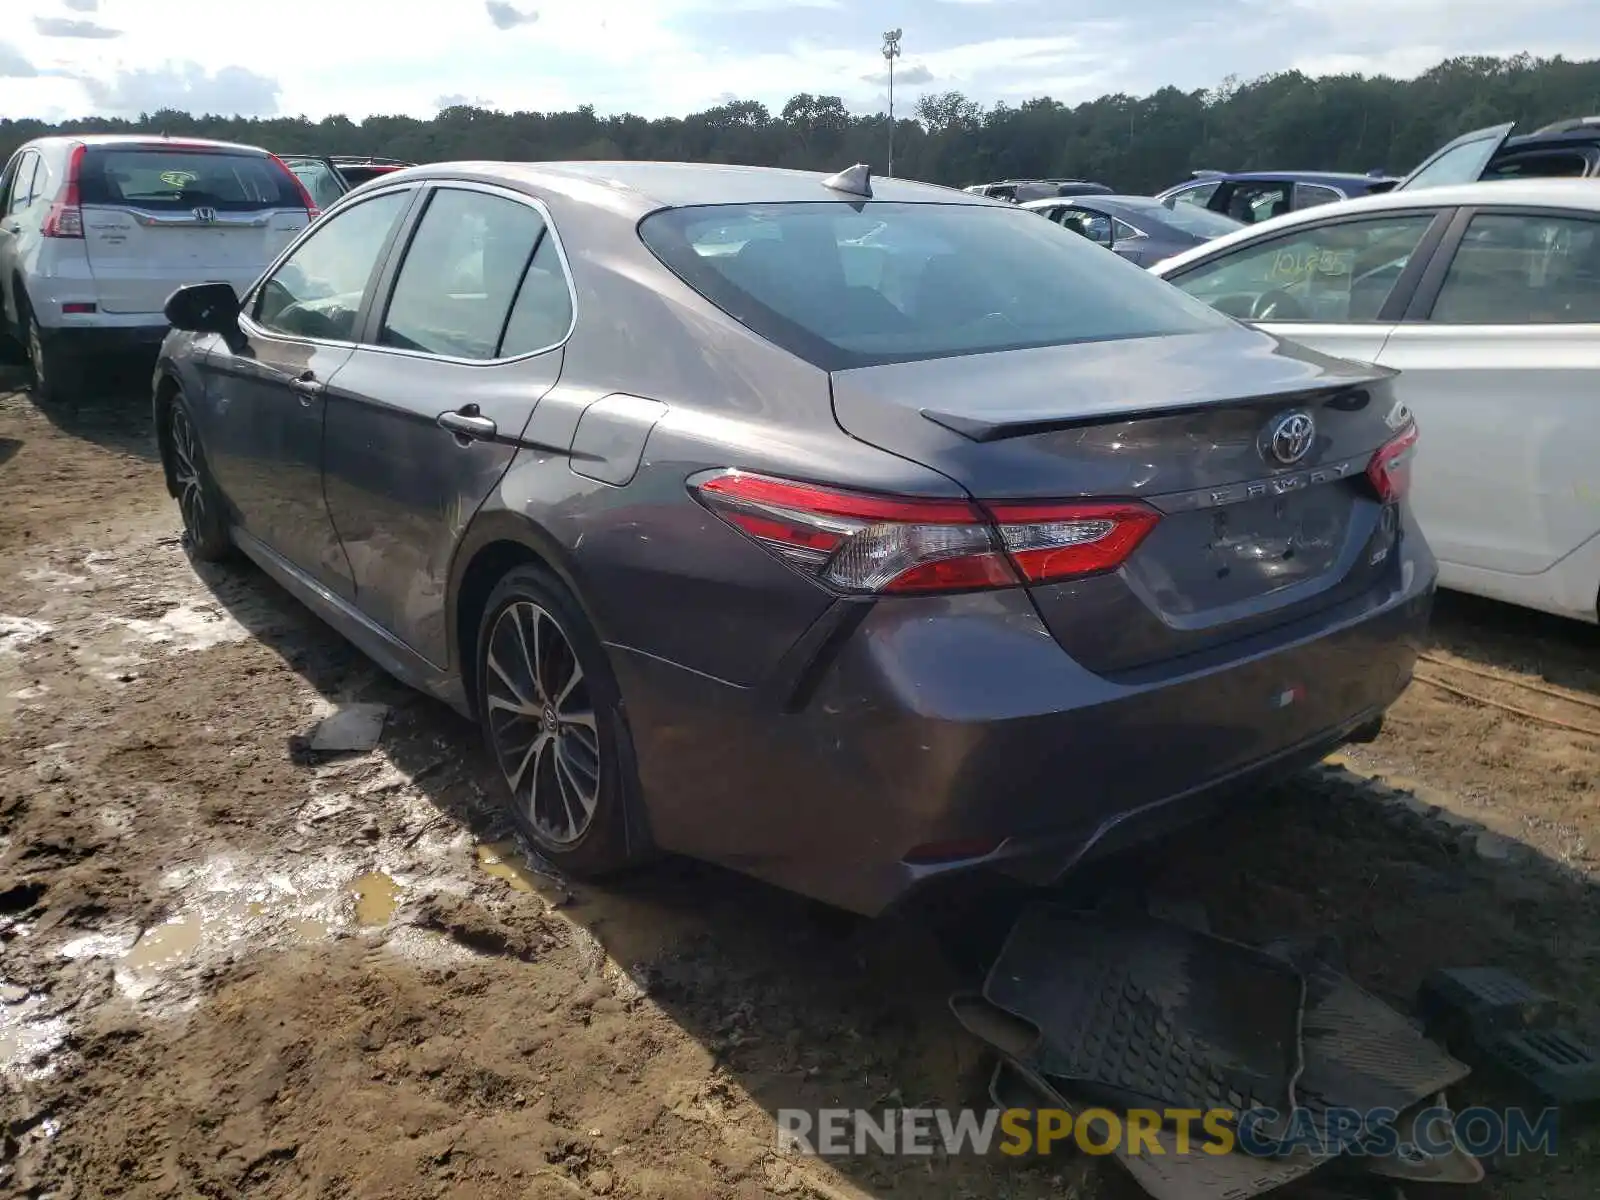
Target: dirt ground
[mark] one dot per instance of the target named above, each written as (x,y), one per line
(235,967)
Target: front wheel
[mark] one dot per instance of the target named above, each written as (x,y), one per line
(552,716)
(205,520)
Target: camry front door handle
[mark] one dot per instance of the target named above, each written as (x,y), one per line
(468,425)
(307,386)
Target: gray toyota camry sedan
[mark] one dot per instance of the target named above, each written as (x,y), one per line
(849,532)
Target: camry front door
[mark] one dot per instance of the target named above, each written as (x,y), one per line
(265,395)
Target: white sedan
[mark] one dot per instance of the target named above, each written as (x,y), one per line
(1486,298)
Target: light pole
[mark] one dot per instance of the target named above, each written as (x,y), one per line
(891,51)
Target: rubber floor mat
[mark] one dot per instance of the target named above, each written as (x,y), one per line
(1454,1167)
(1136,1011)
(1166,1175)
(1358,1052)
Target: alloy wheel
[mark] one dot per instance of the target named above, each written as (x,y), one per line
(542,722)
(186,468)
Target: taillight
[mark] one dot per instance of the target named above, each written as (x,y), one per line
(65,216)
(1390,468)
(312,211)
(860,543)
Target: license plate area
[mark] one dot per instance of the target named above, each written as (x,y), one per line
(1213,558)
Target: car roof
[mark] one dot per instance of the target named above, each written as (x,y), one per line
(1537,193)
(1108,198)
(1335,177)
(113,140)
(1582,135)
(644,187)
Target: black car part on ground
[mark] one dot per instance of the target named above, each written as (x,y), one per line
(1185,1012)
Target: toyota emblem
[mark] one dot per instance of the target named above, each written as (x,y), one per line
(1288,438)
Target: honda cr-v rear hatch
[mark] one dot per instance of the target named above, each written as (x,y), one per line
(158,216)
(1164,479)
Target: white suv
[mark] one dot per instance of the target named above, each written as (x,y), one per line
(97,231)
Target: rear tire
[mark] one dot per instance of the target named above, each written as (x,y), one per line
(551,715)
(57,376)
(205,517)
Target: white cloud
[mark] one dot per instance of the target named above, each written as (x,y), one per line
(359,57)
(185,87)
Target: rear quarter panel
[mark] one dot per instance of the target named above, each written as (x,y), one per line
(660,575)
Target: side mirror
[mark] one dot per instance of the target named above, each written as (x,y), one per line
(204,308)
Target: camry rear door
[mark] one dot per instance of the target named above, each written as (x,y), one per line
(160,215)
(424,418)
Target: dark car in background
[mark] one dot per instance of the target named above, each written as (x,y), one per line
(1139,228)
(847,533)
(1251,196)
(1568,149)
(1020,191)
(329,177)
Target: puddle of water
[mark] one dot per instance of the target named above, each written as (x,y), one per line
(618,930)
(377,896)
(166,945)
(503,861)
(230,905)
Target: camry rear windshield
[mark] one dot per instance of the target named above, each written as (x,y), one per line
(175,180)
(845,285)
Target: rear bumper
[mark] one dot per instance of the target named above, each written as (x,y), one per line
(95,341)
(957,726)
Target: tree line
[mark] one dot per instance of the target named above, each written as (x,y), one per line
(1136,144)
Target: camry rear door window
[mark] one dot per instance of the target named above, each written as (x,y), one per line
(460,275)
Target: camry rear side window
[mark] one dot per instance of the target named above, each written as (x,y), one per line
(843,285)
(177,180)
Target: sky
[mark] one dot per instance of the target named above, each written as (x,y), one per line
(63,58)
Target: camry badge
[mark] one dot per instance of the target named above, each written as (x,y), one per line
(1288,437)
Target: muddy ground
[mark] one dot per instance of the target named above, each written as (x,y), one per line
(233,967)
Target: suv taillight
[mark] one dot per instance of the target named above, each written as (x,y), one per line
(65,218)
(859,543)
(1390,468)
(312,211)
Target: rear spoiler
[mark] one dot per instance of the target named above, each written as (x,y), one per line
(998,426)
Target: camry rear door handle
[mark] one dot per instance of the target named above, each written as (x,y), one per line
(468,425)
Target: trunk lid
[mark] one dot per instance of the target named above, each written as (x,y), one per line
(157,218)
(1186,424)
